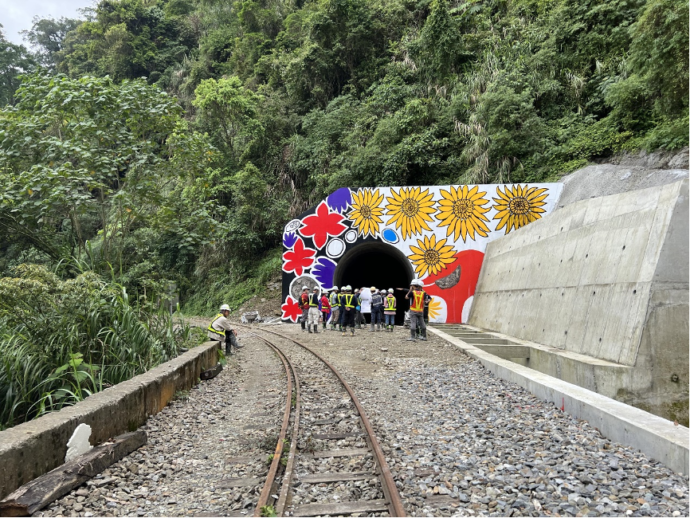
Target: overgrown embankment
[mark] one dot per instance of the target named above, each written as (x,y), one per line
(62,340)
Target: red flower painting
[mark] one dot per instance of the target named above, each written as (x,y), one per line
(291,309)
(298,259)
(322,224)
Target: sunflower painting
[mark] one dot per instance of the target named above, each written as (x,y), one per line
(410,209)
(435,309)
(431,256)
(461,211)
(366,211)
(436,233)
(518,206)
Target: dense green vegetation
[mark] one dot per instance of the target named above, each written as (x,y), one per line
(167,141)
(62,340)
(290,100)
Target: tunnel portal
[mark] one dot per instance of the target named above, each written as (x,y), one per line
(386,236)
(372,263)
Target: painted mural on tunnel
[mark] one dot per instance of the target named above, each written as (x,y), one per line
(441,230)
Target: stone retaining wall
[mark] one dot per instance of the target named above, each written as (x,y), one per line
(31,449)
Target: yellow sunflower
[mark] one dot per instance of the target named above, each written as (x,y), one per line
(461,210)
(410,209)
(430,256)
(366,213)
(435,309)
(518,206)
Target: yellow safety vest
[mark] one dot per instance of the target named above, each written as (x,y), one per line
(390,303)
(348,301)
(417,304)
(313,301)
(212,329)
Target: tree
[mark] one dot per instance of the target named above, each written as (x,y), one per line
(47,37)
(14,61)
(659,53)
(229,112)
(89,160)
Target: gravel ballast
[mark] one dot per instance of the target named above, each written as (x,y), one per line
(458,440)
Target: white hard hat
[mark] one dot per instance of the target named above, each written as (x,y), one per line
(225,307)
(390,290)
(417,282)
(305,287)
(334,288)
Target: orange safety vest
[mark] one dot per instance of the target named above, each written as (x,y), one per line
(417,303)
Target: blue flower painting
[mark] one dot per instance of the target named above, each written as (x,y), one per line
(323,271)
(339,200)
(289,239)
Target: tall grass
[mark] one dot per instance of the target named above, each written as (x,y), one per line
(61,341)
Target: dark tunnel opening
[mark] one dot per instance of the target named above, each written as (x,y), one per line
(377,264)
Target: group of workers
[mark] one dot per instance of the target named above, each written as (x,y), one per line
(342,310)
(346,309)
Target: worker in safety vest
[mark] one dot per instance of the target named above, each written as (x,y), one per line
(325,308)
(220,329)
(334,300)
(348,306)
(416,296)
(389,310)
(304,306)
(314,313)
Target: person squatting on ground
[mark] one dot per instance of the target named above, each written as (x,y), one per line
(304,306)
(220,329)
(334,300)
(325,307)
(376,309)
(314,313)
(348,306)
(417,296)
(389,307)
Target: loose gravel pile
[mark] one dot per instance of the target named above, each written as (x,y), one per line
(458,440)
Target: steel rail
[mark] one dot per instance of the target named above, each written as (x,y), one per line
(390,490)
(290,466)
(275,463)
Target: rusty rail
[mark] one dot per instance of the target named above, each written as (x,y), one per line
(390,490)
(275,463)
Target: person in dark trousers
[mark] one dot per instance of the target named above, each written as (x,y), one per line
(348,304)
(389,309)
(220,329)
(334,301)
(325,309)
(416,296)
(359,317)
(376,309)
(304,306)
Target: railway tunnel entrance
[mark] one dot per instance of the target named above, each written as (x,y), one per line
(372,263)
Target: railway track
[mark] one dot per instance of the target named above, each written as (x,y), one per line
(312,431)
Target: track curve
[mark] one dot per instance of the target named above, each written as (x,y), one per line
(393,500)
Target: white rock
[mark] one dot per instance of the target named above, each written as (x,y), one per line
(78,444)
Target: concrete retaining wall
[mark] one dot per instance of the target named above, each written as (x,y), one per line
(34,448)
(604,277)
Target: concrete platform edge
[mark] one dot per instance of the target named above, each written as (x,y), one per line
(31,449)
(658,438)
